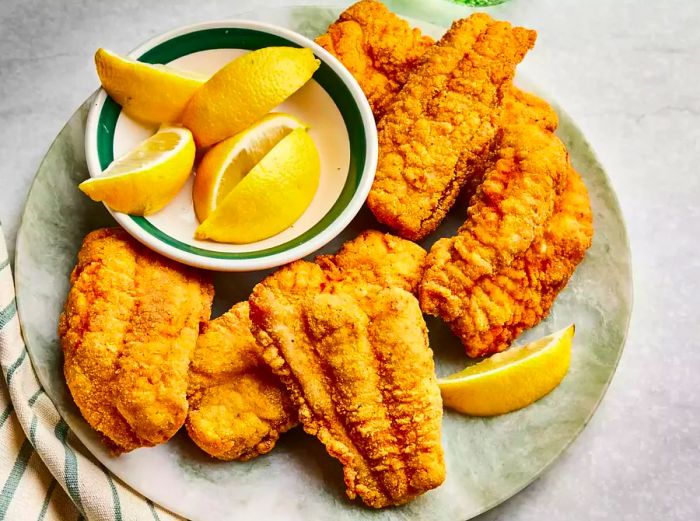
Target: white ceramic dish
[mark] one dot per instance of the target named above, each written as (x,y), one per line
(332,103)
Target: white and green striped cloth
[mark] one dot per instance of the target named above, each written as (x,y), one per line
(45,472)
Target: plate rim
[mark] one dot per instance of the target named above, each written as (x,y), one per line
(264,261)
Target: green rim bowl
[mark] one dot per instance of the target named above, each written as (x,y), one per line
(346,139)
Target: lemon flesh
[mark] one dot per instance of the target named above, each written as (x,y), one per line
(225,164)
(151,93)
(147,178)
(512,379)
(271,197)
(245,90)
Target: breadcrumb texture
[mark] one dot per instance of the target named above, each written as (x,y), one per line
(348,340)
(521,294)
(238,408)
(355,359)
(128,331)
(529,225)
(448,109)
(378,48)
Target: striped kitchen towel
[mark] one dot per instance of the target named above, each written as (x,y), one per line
(45,472)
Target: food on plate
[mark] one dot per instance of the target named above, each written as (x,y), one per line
(149,92)
(355,359)
(448,108)
(510,380)
(255,183)
(378,48)
(376,258)
(509,210)
(147,178)
(521,106)
(245,90)
(348,340)
(225,165)
(238,408)
(528,227)
(518,296)
(535,247)
(128,330)
(340,344)
(271,196)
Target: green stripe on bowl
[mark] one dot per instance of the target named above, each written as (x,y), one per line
(250,39)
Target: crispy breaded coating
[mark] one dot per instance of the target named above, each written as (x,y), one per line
(377,258)
(508,212)
(480,334)
(238,408)
(518,296)
(520,106)
(449,107)
(128,330)
(378,48)
(356,361)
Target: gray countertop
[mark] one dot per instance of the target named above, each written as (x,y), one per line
(627,72)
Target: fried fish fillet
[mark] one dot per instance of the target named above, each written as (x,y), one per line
(509,211)
(377,258)
(238,408)
(449,108)
(504,303)
(524,107)
(482,335)
(377,47)
(128,330)
(355,360)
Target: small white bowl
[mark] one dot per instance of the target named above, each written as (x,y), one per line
(332,103)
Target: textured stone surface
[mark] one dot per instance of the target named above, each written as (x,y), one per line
(625,71)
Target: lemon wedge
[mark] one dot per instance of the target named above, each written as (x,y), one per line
(147,178)
(245,90)
(225,164)
(271,197)
(512,379)
(152,93)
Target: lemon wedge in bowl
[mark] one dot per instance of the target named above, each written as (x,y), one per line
(225,164)
(245,90)
(271,197)
(152,93)
(147,178)
(512,379)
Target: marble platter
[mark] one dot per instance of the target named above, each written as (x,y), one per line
(488,460)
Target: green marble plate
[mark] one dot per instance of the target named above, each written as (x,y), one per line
(488,460)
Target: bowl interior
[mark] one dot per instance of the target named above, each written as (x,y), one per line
(325,103)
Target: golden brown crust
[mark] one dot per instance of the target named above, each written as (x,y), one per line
(448,108)
(238,408)
(488,326)
(377,258)
(523,107)
(519,295)
(128,330)
(378,48)
(350,345)
(522,240)
(509,210)
(356,361)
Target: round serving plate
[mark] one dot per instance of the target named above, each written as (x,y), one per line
(488,459)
